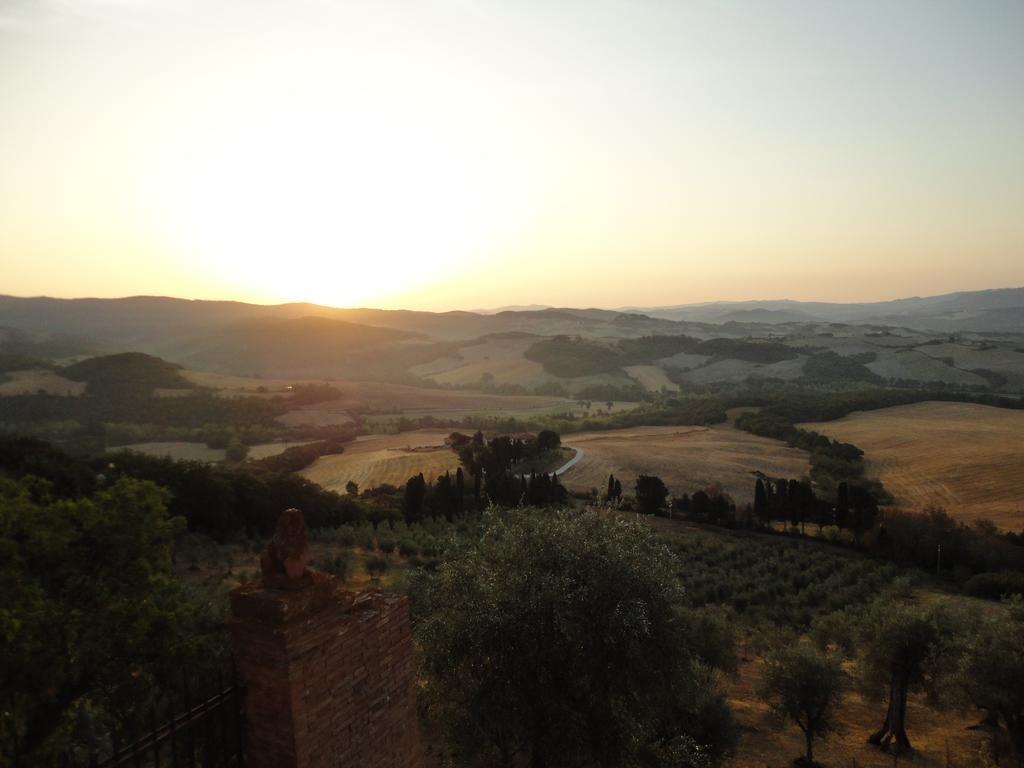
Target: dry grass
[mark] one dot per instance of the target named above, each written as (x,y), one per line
(266,450)
(237,386)
(651,377)
(686,458)
(179,451)
(502,358)
(914,364)
(32,381)
(740,370)
(964,457)
(375,459)
(183,451)
(766,741)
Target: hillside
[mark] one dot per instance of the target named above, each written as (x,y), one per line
(300,347)
(966,458)
(587,353)
(999,310)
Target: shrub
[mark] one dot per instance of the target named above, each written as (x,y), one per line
(376,567)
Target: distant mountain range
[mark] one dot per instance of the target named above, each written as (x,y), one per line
(312,340)
(998,310)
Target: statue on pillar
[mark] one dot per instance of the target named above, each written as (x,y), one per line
(283,565)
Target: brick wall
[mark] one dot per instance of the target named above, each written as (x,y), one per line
(329,677)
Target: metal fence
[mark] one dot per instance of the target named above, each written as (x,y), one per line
(200,726)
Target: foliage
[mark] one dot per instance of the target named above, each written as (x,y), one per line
(310,394)
(220,501)
(831,367)
(558,639)
(651,494)
(298,457)
(128,374)
(23,456)
(774,580)
(901,648)
(991,674)
(909,538)
(803,685)
(567,358)
(236,451)
(995,586)
(92,619)
(631,393)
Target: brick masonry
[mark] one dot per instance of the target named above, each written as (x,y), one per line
(329,677)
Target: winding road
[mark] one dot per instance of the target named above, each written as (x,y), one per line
(571,462)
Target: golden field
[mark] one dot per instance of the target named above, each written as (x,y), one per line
(651,377)
(686,458)
(966,458)
(375,459)
(29,382)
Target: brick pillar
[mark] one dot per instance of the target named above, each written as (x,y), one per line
(328,676)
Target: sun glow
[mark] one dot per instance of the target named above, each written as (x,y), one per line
(335,206)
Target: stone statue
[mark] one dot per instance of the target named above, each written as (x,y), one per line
(283,565)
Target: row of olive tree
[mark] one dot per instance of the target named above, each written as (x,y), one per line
(958,657)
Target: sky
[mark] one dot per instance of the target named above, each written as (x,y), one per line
(474,153)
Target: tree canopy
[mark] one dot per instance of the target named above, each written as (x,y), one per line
(92,619)
(559,640)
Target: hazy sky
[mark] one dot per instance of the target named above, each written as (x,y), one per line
(473,153)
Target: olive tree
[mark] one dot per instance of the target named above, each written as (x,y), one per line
(902,648)
(991,674)
(557,639)
(804,685)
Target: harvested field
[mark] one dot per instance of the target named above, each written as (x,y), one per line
(266,450)
(330,414)
(684,360)
(651,377)
(399,398)
(375,459)
(964,457)
(686,458)
(180,451)
(500,357)
(238,386)
(183,451)
(740,370)
(913,364)
(32,381)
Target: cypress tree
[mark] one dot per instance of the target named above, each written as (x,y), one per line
(843,505)
(761,503)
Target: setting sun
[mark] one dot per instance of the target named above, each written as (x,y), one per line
(340,207)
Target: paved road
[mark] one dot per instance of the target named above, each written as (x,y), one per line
(571,462)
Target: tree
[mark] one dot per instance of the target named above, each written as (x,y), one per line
(903,648)
(352,488)
(804,685)
(548,440)
(412,501)
(843,505)
(93,620)
(991,673)
(614,492)
(651,494)
(559,640)
(863,510)
(236,451)
(460,490)
(761,511)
